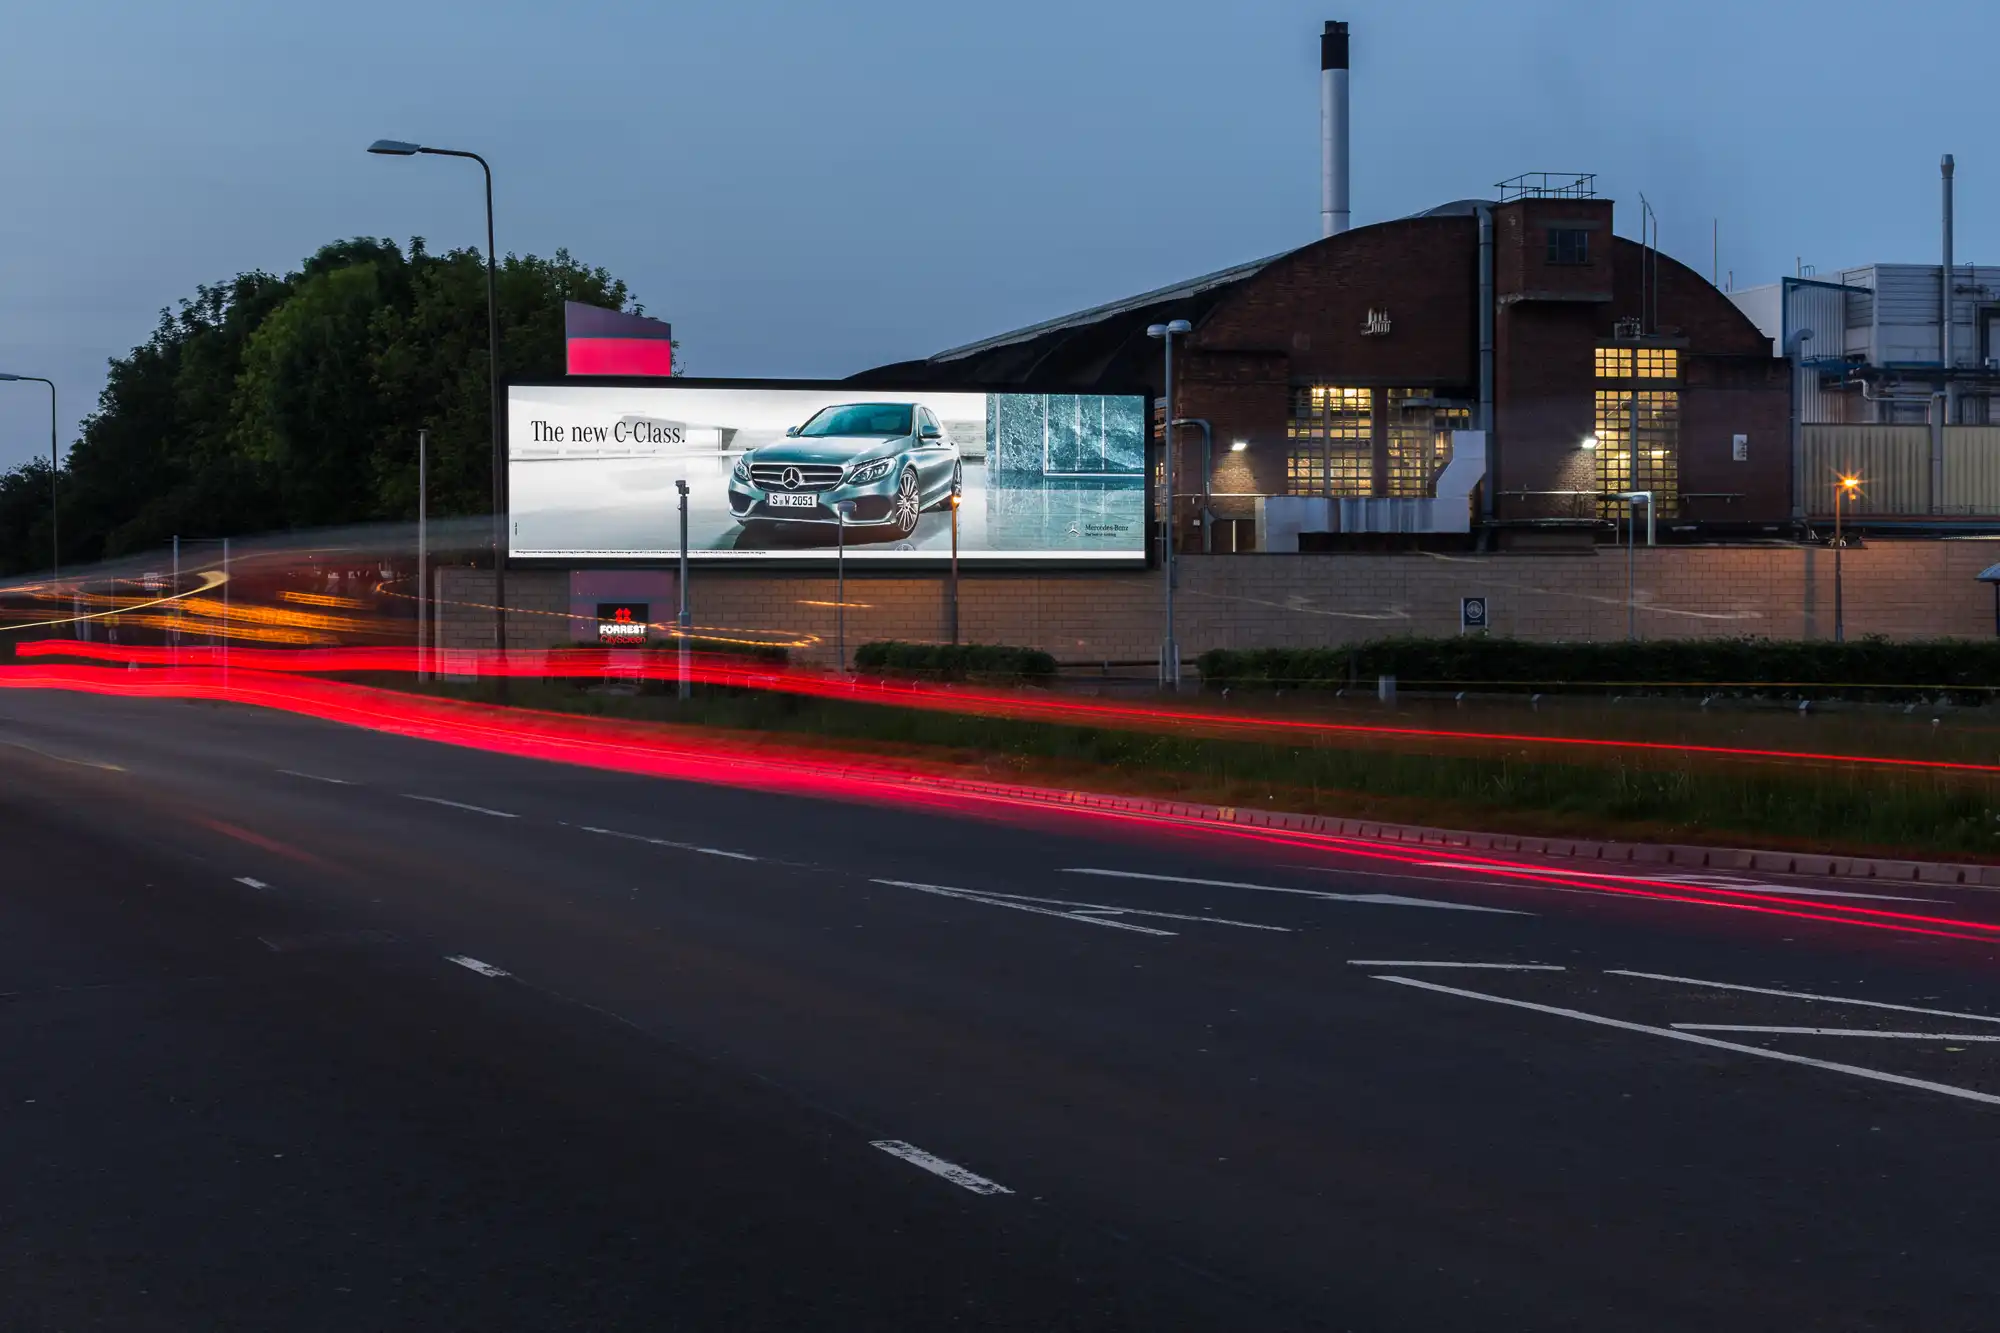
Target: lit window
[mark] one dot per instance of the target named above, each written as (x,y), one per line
(1330,442)
(1614,363)
(1657,465)
(1569,245)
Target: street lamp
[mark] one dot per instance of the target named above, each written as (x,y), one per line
(1170,652)
(55,465)
(956,500)
(397,148)
(1847,488)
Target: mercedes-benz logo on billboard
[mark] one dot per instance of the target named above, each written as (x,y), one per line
(793,479)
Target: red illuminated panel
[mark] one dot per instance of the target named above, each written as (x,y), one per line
(621,356)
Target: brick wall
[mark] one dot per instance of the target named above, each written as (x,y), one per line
(1900,589)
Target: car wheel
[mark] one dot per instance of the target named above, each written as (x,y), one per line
(909,502)
(957,486)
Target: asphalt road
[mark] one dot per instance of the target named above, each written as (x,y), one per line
(306,1027)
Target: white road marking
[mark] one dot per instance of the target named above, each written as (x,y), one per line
(937,1166)
(1837,1032)
(1761,1052)
(473,964)
(973,896)
(1105,909)
(1692,881)
(1804,995)
(253,883)
(460,805)
(63,758)
(314,777)
(1382,899)
(664,842)
(1495,967)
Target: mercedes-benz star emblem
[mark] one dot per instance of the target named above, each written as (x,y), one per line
(792,479)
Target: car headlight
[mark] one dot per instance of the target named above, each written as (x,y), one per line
(742,472)
(868,472)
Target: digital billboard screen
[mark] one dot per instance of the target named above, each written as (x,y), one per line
(793,471)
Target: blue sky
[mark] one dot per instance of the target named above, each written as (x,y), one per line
(813,189)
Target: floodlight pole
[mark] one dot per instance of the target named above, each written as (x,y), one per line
(685,621)
(1170,651)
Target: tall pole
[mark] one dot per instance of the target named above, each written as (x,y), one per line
(176,631)
(398,148)
(423,557)
(685,622)
(1631,594)
(1170,652)
(225,615)
(954,569)
(840,586)
(1839,616)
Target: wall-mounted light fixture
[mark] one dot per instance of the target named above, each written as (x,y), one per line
(1589,442)
(1238,446)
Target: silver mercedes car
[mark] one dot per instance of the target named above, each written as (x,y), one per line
(893,461)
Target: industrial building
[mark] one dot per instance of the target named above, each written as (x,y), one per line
(1895,372)
(1331,394)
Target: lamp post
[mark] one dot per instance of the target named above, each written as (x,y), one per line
(1848,486)
(1170,651)
(841,511)
(684,621)
(55,466)
(397,148)
(423,558)
(957,501)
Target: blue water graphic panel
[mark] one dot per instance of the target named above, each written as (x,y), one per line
(1030,436)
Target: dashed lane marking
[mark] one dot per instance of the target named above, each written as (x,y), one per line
(474,965)
(1837,1032)
(938,1166)
(315,777)
(664,842)
(253,883)
(460,805)
(1491,967)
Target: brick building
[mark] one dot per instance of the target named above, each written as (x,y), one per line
(1340,370)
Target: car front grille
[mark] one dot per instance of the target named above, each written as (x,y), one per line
(811,476)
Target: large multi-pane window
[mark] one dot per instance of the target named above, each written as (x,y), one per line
(1330,442)
(1649,463)
(1419,437)
(1654,363)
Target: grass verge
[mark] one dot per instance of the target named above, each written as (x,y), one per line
(1661,797)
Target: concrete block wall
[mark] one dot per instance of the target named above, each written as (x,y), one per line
(1899,589)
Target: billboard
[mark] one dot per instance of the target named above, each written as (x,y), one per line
(794,471)
(611,342)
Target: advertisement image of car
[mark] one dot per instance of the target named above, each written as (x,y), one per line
(814,471)
(864,464)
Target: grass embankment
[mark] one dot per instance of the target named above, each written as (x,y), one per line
(1661,795)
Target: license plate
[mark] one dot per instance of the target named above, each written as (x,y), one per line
(786,500)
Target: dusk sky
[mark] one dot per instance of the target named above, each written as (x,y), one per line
(809,190)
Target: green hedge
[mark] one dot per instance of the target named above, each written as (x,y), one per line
(955,661)
(1872,668)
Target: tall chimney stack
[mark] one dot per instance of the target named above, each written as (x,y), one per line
(1946,167)
(1333,129)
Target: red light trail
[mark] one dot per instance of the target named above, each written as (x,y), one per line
(823,774)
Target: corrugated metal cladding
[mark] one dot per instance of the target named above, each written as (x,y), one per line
(1972,470)
(1823,309)
(1893,462)
(1899,325)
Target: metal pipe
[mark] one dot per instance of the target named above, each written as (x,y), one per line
(1333,130)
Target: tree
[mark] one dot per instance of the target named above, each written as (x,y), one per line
(265,403)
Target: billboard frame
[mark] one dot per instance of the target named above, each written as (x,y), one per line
(862,569)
